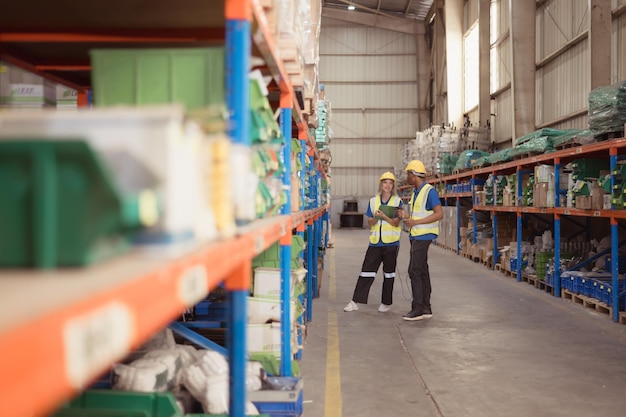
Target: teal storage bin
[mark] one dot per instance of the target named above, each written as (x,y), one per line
(192,76)
(61,207)
(107,403)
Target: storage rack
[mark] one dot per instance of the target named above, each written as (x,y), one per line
(60,330)
(613,150)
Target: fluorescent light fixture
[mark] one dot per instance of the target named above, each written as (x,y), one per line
(351,7)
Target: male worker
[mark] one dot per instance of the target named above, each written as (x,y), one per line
(422,220)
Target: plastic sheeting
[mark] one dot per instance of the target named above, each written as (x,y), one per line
(468,157)
(607,108)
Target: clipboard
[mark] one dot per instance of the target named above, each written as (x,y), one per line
(390,211)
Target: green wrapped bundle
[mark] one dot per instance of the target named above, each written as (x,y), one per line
(467,157)
(545,132)
(607,108)
(536,145)
(501,156)
(448,163)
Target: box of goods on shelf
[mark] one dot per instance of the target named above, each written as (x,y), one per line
(588,181)
(267,282)
(543,191)
(20,89)
(267,142)
(267,310)
(297,36)
(618,193)
(110,190)
(322,131)
(270,258)
(264,305)
(296,168)
(266,339)
(448,227)
(192,76)
(66,99)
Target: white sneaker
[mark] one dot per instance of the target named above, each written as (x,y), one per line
(383,308)
(352,306)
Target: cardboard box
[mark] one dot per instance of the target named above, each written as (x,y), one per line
(264,310)
(540,195)
(266,338)
(267,282)
(583,202)
(606,202)
(597,197)
(544,173)
(508,200)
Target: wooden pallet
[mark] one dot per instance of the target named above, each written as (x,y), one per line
(459,171)
(588,302)
(477,168)
(542,285)
(609,135)
(530,279)
(567,145)
(508,273)
(526,155)
(471,258)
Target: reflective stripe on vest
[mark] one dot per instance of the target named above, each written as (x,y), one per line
(382,231)
(418,211)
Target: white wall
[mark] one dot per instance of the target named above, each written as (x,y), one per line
(370,77)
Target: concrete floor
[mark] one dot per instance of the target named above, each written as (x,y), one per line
(493,348)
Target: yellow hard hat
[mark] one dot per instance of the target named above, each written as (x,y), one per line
(387,176)
(416,166)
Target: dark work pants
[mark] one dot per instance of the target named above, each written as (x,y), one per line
(375,255)
(420,277)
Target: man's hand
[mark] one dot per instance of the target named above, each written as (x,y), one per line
(410,222)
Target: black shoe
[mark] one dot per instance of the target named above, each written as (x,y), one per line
(427,313)
(413,315)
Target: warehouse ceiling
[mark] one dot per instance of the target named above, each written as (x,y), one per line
(403,9)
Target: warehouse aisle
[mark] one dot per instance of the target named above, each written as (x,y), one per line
(494,347)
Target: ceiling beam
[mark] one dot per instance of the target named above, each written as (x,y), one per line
(408,6)
(378,12)
(371,20)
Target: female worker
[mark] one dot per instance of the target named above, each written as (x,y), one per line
(384,221)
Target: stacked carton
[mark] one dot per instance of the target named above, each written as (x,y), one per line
(20,89)
(264,306)
(66,98)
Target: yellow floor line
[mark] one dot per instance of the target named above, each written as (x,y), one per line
(332,403)
(332,284)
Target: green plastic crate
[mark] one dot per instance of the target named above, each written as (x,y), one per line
(59,206)
(108,403)
(192,76)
